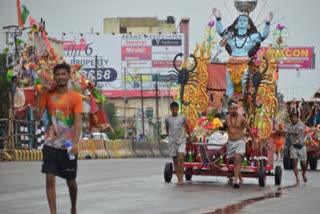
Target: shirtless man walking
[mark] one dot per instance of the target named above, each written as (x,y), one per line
(236,146)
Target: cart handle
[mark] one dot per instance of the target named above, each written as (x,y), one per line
(209,144)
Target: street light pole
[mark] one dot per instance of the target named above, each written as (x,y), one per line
(157,110)
(142,104)
(125,103)
(96,70)
(168,88)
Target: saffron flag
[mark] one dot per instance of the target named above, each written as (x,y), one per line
(23,13)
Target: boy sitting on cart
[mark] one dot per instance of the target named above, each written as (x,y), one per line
(236,146)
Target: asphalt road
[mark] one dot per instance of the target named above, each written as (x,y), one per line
(137,186)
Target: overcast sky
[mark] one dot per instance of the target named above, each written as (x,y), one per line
(300,17)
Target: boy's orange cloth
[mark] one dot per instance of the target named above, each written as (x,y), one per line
(279,137)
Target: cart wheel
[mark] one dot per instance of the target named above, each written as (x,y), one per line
(278,175)
(188,177)
(313,162)
(168,172)
(287,163)
(262,177)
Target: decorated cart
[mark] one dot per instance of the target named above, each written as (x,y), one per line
(31,72)
(251,80)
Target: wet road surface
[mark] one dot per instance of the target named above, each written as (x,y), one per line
(137,186)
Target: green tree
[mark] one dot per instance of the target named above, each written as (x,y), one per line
(116,132)
(4,85)
(110,110)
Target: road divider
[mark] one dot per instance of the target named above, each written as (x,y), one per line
(164,149)
(100,149)
(86,150)
(122,148)
(147,149)
(110,150)
(27,155)
(5,156)
(138,149)
(155,148)
(129,149)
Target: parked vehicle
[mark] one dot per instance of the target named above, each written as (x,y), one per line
(86,136)
(95,135)
(99,136)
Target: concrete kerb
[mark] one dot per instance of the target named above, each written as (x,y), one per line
(99,147)
(27,155)
(32,155)
(24,154)
(164,149)
(147,149)
(39,154)
(110,149)
(104,149)
(155,147)
(85,150)
(129,149)
(4,155)
(138,149)
(122,148)
(16,155)
(117,148)
(134,154)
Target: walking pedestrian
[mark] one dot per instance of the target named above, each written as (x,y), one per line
(64,107)
(298,150)
(175,124)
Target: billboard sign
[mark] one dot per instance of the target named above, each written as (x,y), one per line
(162,48)
(83,49)
(295,57)
(136,54)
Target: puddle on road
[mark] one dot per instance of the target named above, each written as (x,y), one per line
(237,208)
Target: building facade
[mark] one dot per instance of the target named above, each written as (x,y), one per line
(140,25)
(131,110)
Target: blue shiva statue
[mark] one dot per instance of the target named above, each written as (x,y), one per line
(242,42)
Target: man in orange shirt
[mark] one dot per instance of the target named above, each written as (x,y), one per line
(64,109)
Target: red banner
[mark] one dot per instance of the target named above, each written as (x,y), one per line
(136,49)
(136,56)
(156,64)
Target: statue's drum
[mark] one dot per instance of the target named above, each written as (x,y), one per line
(245,6)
